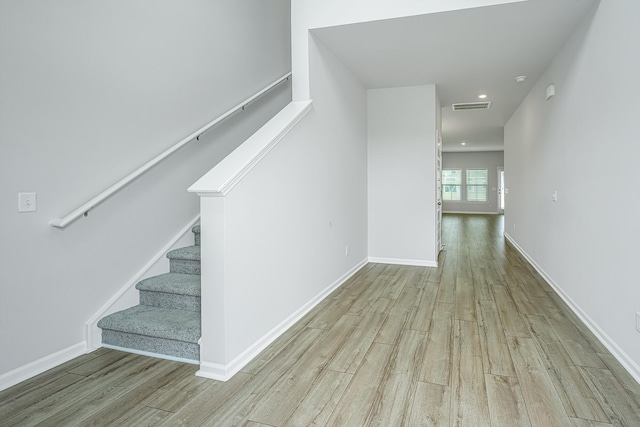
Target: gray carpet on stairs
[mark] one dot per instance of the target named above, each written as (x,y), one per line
(167,321)
(185,260)
(171,290)
(157,322)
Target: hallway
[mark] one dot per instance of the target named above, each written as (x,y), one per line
(481,340)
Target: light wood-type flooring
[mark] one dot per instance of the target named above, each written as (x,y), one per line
(481,340)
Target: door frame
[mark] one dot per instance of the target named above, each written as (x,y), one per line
(438,165)
(499,206)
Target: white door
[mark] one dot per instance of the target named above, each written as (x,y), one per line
(500,190)
(438,193)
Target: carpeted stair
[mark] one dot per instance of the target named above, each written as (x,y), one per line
(167,321)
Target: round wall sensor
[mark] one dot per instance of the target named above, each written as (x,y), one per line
(521,79)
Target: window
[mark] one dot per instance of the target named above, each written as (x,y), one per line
(452,184)
(477,185)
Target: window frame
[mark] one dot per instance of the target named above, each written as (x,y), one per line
(460,186)
(475,186)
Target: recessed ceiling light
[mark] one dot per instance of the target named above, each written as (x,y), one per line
(521,79)
(483,96)
(463,143)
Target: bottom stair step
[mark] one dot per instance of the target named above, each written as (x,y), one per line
(157,330)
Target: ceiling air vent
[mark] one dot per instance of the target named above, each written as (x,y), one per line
(471,106)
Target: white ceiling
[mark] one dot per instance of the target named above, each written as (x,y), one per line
(465,53)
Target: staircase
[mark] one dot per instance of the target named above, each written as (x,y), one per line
(167,321)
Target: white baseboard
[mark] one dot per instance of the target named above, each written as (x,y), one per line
(93,334)
(214,371)
(398,261)
(225,372)
(629,364)
(39,366)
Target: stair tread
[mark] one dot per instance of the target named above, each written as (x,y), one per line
(155,322)
(188,253)
(172,283)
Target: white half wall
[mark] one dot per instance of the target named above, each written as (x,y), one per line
(90,91)
(401,153)
(583,143)
(275,244)
(489,160)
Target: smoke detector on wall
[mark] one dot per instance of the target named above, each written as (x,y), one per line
(465,106)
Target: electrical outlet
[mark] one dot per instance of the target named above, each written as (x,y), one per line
(638,321)
(27,202)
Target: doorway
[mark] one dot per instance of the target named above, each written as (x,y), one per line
(501,190)
(439,246)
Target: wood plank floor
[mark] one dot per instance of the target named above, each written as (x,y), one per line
(481,340)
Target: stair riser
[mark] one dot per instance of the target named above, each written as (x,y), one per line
(174,301)
(184,266)
(196,233)
(169,308)
(179,349)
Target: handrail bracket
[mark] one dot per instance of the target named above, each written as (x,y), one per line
(91,204)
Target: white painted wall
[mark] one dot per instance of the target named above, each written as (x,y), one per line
(310,14)
(489,160)
(584,144)
(401,180)
(287,223)
(90,91)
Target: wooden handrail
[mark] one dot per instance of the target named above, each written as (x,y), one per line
(84,209)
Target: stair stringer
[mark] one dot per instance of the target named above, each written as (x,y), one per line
(128,295)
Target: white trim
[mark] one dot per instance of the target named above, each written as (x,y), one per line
(629,364)
(471,213)
(214,371)
(151,354)
(224,176)
(41,365)
(474,150)
(93,334)
(498,169)
(225,372)
(398,261)
(468,202)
